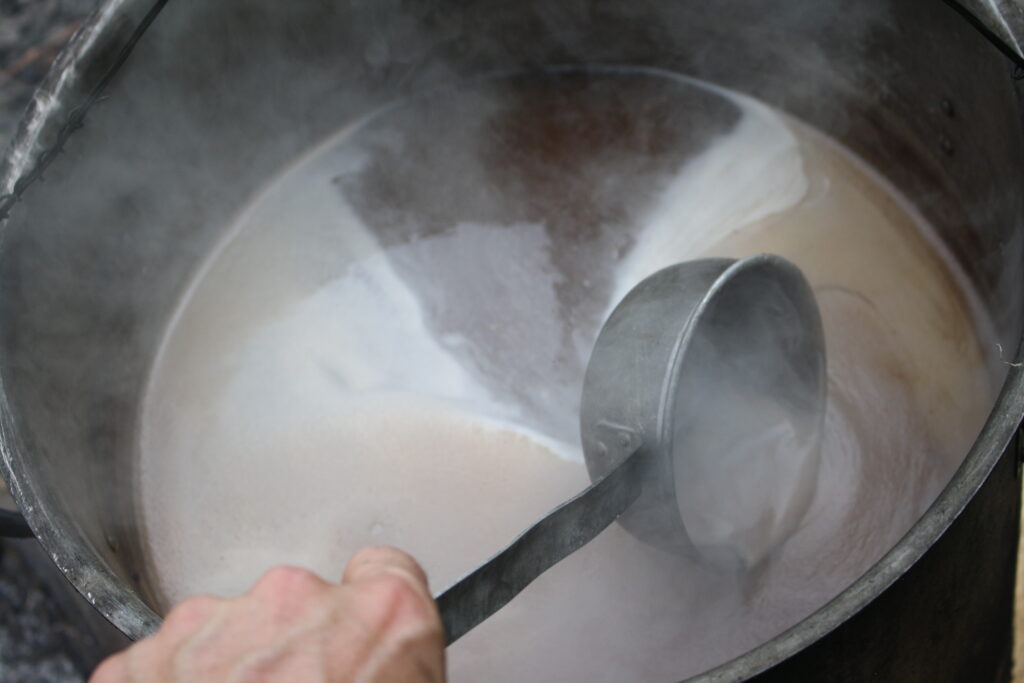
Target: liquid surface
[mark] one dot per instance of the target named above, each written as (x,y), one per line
(389,345)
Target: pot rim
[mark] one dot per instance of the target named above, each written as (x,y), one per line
(109,29)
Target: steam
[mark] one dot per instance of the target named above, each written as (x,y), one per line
(390,348)
(751,466)
(546,181)
(749,423)
(761,163)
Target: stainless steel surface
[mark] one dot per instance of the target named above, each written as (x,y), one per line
(93,258)
(679,337)
(1003,19)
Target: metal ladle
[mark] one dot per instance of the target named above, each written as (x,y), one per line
(692,356)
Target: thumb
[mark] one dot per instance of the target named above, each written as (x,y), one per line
(370,563)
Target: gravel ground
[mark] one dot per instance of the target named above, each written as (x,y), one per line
(44,636)
(32,32)
(37,637)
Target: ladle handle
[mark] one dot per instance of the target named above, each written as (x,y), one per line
(557,535)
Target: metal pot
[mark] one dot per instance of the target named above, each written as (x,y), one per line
(153,103)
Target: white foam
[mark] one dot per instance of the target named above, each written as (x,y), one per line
(753,172)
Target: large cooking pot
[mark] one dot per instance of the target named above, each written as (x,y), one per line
(216,96)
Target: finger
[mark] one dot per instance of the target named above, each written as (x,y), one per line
(373,561)
(267,616)
(287,593)
(396,619)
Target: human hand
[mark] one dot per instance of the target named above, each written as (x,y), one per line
(380,624)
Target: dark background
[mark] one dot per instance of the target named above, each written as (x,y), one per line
(43,635)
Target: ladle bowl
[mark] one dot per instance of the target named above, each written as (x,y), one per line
(706,382)
(694,357)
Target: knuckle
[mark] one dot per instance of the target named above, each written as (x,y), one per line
(293,582)
(392,586)
(378,553)
(374,559)
(192,612)
(398,601)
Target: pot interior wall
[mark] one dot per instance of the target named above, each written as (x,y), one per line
(218,96)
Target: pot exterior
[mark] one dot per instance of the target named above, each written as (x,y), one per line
(948,618)
(936,111)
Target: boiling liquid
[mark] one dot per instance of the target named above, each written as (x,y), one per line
(388,348)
